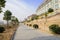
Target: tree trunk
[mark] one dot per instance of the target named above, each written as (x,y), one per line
(7,24)
(46,19)
(45,22)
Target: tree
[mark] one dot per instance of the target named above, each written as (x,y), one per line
(17,20)
(46,14)
(14,20)
(2,4)
(50,10)
(7,16)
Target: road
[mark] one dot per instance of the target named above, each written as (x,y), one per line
(27,33)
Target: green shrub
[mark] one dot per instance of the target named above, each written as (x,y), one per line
(50,10)
(27,24)
(10,27)
(35,26)
(2,29)
(30,24)
(34,18)
(28,20)
(55,28)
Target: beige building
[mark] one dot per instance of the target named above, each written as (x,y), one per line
(29,17)
(54,4)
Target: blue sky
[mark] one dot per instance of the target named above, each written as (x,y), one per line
(22,8)
(33,3)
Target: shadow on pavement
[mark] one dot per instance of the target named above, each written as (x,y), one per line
(47,38)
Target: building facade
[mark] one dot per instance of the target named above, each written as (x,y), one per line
(54,4)
(29,17)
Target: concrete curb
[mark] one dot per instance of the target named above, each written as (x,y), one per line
(12,37)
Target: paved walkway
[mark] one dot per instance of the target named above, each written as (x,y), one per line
(26,33)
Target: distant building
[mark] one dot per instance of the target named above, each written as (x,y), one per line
(29,17)
(54,4)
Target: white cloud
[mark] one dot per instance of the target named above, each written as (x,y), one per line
(19,9)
